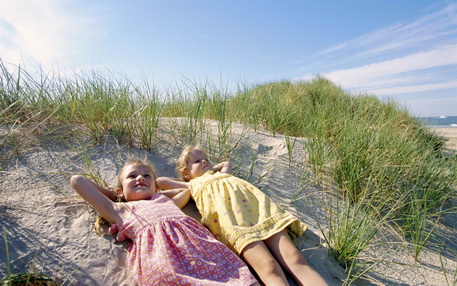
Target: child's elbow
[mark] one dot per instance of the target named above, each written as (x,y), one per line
(76,179)
(160,181)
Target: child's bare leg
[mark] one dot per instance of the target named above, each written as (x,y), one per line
(258,256)
(292,260)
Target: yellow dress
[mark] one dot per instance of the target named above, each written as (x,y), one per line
(238,213)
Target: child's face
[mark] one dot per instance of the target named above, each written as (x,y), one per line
(138,182)
(197,165)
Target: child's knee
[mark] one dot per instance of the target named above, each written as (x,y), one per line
(297,258)
(269,265)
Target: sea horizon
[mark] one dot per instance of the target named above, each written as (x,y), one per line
(440,121)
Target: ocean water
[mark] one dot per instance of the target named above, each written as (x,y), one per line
(450,121)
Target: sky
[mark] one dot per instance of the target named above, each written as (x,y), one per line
(404,51)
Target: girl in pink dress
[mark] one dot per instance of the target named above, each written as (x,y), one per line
(168,247)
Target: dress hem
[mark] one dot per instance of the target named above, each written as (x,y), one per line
(285,221)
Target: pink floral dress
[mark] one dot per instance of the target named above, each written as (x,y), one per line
(171,248)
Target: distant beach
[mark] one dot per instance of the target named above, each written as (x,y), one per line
(445,126)
(450,133)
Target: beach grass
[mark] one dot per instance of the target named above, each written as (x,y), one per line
(28,278)
(390,170)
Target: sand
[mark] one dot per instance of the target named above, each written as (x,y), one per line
(49,227)
(450,134)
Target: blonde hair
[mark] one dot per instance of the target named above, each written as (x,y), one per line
(183,160)
(100,221)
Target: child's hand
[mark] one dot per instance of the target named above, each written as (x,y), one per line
(111,194)
(223,167)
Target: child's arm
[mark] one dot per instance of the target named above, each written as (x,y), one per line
(179,196)
(104,206)
(167,183)
(109,194)
(223,167)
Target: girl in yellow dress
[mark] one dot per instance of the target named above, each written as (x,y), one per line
(244,218)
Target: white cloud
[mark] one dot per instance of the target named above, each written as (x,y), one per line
(45,31)
(426,32)
(365,75)
(404,57)
(415,88)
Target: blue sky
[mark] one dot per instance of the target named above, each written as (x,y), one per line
(402,50)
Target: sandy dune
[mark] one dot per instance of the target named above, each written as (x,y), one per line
(49,226)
